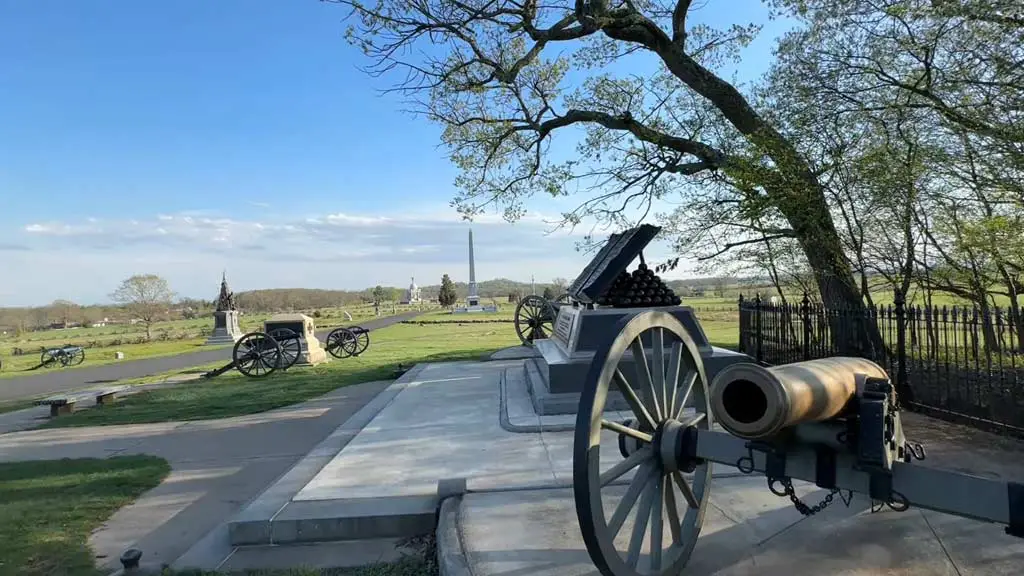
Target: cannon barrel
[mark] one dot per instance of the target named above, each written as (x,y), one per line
(752,402)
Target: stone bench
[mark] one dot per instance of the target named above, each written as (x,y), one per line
(65,403)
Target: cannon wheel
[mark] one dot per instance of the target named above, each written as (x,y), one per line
(565,298)
(47,357)
(362,338)
(671,395)
(76,357)
(257,355)
(291,347)
(342,343)
(534,319)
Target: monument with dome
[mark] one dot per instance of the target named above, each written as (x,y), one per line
(412,294)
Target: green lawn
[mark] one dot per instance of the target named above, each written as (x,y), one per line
(49,508)
(22,365)
(232,394)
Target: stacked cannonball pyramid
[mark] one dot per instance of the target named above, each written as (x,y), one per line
(641,288)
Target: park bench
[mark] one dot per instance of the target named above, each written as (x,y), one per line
(65,403)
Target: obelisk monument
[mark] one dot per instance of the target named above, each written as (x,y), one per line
(473,299)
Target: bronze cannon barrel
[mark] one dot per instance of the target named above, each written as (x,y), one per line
(751,401)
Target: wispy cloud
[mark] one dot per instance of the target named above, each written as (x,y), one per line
(335,250)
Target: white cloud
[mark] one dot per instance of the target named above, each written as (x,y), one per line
(84,261)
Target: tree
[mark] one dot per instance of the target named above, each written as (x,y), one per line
(446,296)
(549,294)
(561,285)
(501,91)
(379,294)
(146,296)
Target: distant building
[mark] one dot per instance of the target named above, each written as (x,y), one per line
(412,294)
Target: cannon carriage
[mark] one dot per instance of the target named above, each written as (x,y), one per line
(67,355)
(834,422)
(287,340)
(625,344)
(345,342)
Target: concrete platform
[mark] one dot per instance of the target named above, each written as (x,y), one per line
(746,531)
(458,446)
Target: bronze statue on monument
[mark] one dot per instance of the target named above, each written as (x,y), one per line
(225,316)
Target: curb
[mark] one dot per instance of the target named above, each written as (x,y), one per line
(451,556)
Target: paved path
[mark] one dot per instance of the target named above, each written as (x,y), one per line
(53,381)
(217,467)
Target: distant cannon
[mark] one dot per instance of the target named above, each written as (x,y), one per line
(344,342)
(67,355)
(835,422)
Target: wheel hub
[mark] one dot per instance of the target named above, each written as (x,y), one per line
(674,446)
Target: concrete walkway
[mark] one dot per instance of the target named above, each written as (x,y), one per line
(217,467)
(52,381)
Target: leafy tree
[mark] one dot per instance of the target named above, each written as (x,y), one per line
(379,294)
(446,296)
(146,296)
(549,293)
(504,88)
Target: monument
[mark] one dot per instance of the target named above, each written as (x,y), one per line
(412,294)
(225,317)
(310,351)
(473,299)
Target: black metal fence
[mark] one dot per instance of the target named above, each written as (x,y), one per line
(953,362)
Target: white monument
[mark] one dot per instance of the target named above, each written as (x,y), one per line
(473,299)
(412,294)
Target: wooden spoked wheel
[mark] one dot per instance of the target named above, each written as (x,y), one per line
(257,355)
(342,343)
(643,466)
(362,338)
(291,346)
(534,319)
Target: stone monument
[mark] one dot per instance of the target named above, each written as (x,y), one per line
(225,317)
(412,294)
(473,299)
(310,350)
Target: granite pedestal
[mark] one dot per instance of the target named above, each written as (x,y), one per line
(557,376)
(311,352)
(225,328)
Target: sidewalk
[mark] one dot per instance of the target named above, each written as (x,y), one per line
(217,467)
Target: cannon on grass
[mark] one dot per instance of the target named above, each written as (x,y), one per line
(260,354)
(535,316)
(344,342)
(67,355)
(834,422)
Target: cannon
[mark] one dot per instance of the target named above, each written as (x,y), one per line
(535,316)
(344,342)
(67,355)
(834,422)
(260,354)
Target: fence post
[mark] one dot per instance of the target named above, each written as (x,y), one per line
(757,327)
(805,316)
(742,347)
(902,387)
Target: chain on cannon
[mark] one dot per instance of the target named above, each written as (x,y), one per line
(832,422)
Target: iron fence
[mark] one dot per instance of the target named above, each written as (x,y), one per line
(958,363)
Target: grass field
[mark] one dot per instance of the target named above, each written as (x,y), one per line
(48,509)
(233,394)
(104,354)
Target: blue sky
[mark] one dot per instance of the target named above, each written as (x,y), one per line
(184,137)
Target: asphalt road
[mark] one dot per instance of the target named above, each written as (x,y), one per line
(54,380)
